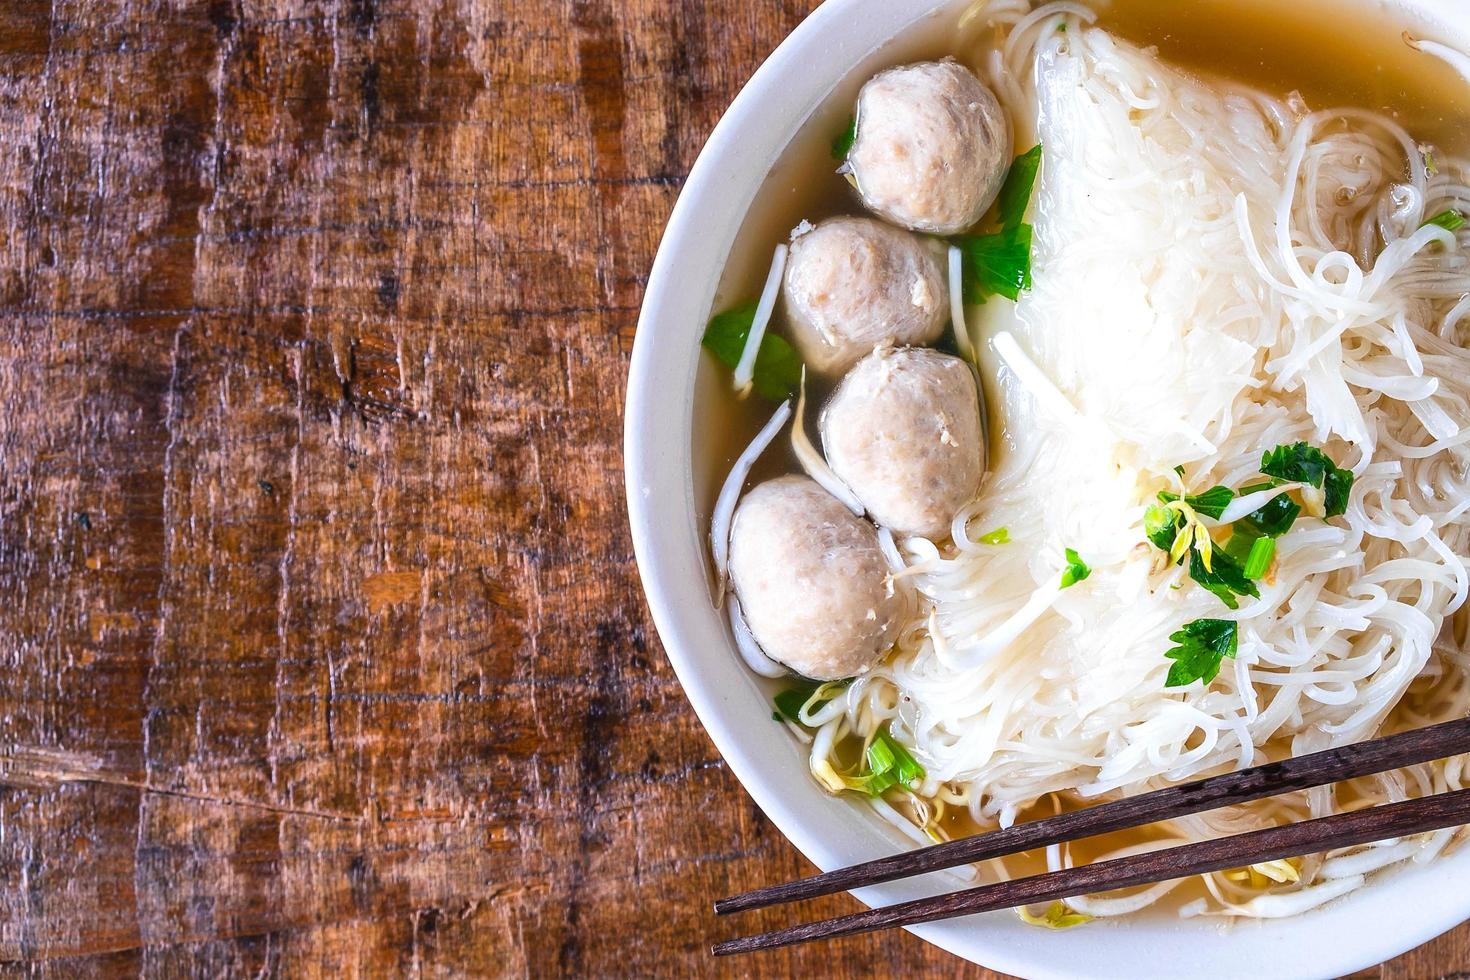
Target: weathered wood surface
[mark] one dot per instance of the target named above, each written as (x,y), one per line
(321,650)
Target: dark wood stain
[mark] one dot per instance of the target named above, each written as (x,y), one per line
(320,614)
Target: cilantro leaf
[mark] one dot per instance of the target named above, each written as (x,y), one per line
(777,365)
(1302,463)
(997,264)
(1203,644)
(1225,577)
(1077,570)
(1015,193)
(1211,503)
(842,142)
(1272,519)
(1337,486)
(1450,220)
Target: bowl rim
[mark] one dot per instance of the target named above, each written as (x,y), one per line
(794,81)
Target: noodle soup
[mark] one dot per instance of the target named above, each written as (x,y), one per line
(1238,347)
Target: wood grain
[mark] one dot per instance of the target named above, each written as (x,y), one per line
(324,652)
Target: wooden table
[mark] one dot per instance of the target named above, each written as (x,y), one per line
(324,652)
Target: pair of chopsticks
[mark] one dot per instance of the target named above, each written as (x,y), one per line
(1272,844)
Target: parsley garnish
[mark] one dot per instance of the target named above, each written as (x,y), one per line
(777,365)
(1301,463)
(842,142)
(1077,569)
(1202,645)
(999,263)
(1000,535)
(1449,220)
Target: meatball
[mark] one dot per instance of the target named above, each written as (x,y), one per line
(932,147)
(811,580)
(903,431)
(854,283)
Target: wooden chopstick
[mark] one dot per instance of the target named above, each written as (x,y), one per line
(1272,844)
(1317,769)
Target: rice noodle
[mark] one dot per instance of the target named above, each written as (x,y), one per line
(1216,273)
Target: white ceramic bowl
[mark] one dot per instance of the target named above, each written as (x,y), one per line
(838,43)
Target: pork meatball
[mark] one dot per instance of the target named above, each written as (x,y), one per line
(854,283)
(932,147)
(811,580)
(903,431)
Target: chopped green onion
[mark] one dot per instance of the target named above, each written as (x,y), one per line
(886,764)
(842,142)
(1263,550)
(1449,220)
(1077,570)
(1000,535)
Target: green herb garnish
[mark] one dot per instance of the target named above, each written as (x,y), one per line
(887,764)
(1077,569)
(1173,525)
(1058,915)
(1161,526)
(1015,193)
(1211,503)
(1301,463)
(1259,558)
(996,265)
(777,365)
(1225,577)
(999,263)
(1449,220)
(1272,519)
(1202,645)
(842,142)
(1000,535)
(790,701)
